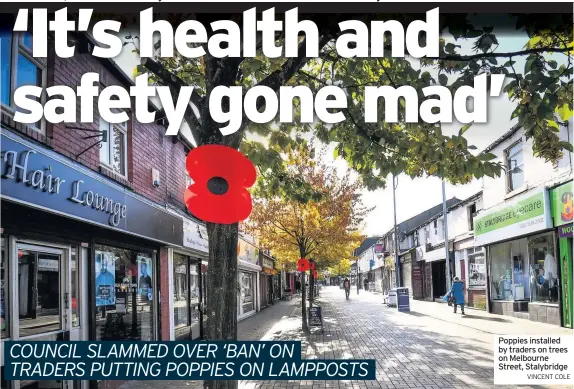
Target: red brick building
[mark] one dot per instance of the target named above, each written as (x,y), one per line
(96,242)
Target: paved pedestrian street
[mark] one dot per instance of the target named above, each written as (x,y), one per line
(429,347)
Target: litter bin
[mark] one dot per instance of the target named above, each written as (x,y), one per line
(392,300)
(403,303)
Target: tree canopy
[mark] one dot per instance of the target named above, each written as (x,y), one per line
(325,229)
(542,91)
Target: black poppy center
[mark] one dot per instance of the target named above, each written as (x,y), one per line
(218,185)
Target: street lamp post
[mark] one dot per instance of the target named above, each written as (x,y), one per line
(357,277)
(396,239)
(445,228)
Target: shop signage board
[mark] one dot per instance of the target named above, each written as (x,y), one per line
(267,262)
(195,236)
(566,231)
(39,178)
(315,317)
(526,214)
(562,210)
(247,252)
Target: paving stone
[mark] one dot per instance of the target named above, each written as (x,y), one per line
(428,348)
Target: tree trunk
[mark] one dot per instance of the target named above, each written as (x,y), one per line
(311,289)
(303,304)
(222,289)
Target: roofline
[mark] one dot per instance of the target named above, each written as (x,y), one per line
(504,137)
(459,204)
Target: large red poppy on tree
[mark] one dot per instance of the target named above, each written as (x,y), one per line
(221,176)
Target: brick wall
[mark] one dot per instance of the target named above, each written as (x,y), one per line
(148,147)
(477,298)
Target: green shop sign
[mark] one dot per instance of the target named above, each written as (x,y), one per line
(525,215)
(561,204)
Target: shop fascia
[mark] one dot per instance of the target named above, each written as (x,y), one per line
(40,178)
(528,214)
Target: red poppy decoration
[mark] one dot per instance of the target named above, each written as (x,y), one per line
(312,266)
(302,265)
(315,275)
(221,176)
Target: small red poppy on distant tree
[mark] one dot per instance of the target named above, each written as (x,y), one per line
(315,275)
(312,266)
(221,176)
(302,265)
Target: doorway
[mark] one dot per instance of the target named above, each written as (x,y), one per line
(47,289)
(438,279)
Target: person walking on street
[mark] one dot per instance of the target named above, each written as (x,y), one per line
(457,294)
(298,286)
(347,285)
(366,284)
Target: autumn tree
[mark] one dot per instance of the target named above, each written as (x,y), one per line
(324,229)
(542,91)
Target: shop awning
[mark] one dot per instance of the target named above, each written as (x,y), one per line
(435,255)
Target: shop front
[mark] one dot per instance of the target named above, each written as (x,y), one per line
(184,310)
(79,253)
(435,274)
(248,278)
(521,258)
(266,280)
(562,215)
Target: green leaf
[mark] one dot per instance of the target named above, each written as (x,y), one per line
(442,79)
(567,146)
(565,112)
(487,157)
(465,128)
(472,147)
(552,123)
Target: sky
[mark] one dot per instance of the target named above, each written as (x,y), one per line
(415,196)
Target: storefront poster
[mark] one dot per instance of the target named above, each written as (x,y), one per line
(145,278)
(105,279)
(528,214)
(565,247)
(562,210)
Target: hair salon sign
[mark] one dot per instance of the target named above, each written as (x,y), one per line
(42,179)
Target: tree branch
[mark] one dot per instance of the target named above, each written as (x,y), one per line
(171,80)
(457,57)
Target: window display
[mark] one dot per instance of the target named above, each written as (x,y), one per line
(476,267)
(543,269)
(247,293)
(124,294)
(500,272)
(180,291)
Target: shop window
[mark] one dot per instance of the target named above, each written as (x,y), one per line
(515,166)
(18,68)
(544,283)
(500,272)
(180,291)
(246,298)
(471,216)
(39,290)
(124,294)
(113,150)
(4,327)
(476,267)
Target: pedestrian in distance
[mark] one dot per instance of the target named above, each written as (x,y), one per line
(347,285)
(456,293)
(298,286)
